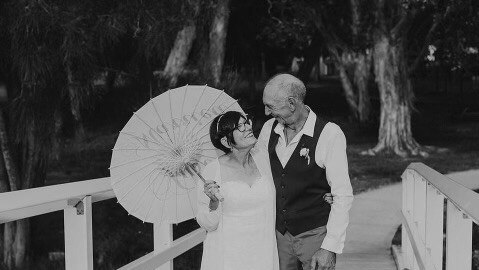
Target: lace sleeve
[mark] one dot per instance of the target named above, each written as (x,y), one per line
(207,219)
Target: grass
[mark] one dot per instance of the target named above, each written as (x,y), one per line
(119,238)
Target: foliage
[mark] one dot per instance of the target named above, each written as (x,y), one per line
(293,35)
(284,30)
(458,41)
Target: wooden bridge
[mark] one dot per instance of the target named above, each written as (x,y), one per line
(419,202)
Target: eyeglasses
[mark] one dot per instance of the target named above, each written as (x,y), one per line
(242,126)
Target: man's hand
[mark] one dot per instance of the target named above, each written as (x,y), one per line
(324,260)
(329,198)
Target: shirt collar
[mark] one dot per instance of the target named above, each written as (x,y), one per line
(308,128)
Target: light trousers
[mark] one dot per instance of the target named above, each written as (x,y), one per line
(301,247)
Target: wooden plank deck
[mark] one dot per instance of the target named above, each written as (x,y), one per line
(374,218)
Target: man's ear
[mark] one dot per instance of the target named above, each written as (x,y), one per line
(292,103)
(225,143)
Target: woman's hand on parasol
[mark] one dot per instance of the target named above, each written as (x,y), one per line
(211,190)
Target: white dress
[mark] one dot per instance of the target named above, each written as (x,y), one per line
(241,232)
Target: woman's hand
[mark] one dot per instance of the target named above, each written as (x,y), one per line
(210,189)
(328,197)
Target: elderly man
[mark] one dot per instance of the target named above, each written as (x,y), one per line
(308,160)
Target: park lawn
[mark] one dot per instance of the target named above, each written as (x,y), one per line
(453,153)
(458,150)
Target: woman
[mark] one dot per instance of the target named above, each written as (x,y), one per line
(241,231)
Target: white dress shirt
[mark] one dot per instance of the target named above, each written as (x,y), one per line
(331,155)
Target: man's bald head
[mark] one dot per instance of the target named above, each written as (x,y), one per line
(285,85)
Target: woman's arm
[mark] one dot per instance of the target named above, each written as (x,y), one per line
(208,211)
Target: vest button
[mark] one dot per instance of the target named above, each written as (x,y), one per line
(282,174)
(282,186)
(284,210)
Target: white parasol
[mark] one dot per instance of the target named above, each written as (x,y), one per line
(158,154)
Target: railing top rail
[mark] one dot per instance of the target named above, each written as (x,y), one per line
(178,247)
(36,201)
(463,197)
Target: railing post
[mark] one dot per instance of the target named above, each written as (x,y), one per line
(435,226)
(407,204)
(458,239)
(419,216)
(163,237)
(78,235)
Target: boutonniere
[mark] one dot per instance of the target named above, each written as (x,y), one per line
(305,153)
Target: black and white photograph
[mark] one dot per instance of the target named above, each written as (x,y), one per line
(239,135)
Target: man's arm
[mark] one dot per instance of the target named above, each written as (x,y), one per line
(332,149)
(336,164)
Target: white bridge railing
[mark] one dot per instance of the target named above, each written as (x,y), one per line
(75,200)
(425,195)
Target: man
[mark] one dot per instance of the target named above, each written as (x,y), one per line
(308,159)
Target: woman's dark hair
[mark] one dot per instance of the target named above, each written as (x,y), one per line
(228,121)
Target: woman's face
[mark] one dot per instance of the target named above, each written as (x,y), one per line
(243,134)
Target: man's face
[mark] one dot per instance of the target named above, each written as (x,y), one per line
(276,107)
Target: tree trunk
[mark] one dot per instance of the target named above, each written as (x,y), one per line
(395,91)
(74,94)
(4,187)
(9,171)
(362,75)
(10,167)
(354,72)
(58,141)
(217,38)
(348,88)
(311,57)
(8,241)
(179,53)
(16,239)
(21,244)
(181,49)
(36,146)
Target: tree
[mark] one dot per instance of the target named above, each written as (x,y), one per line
(32,35)
(51,52)
(41,61)
(456,44)
(345,30)
(8,182)
(394,23)
(341,28)
(153,25)
(217,41)
(389,26)
(77,60)
(183,43)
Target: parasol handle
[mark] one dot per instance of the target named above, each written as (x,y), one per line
(217,194)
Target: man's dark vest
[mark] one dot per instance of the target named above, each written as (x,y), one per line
(300,187)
